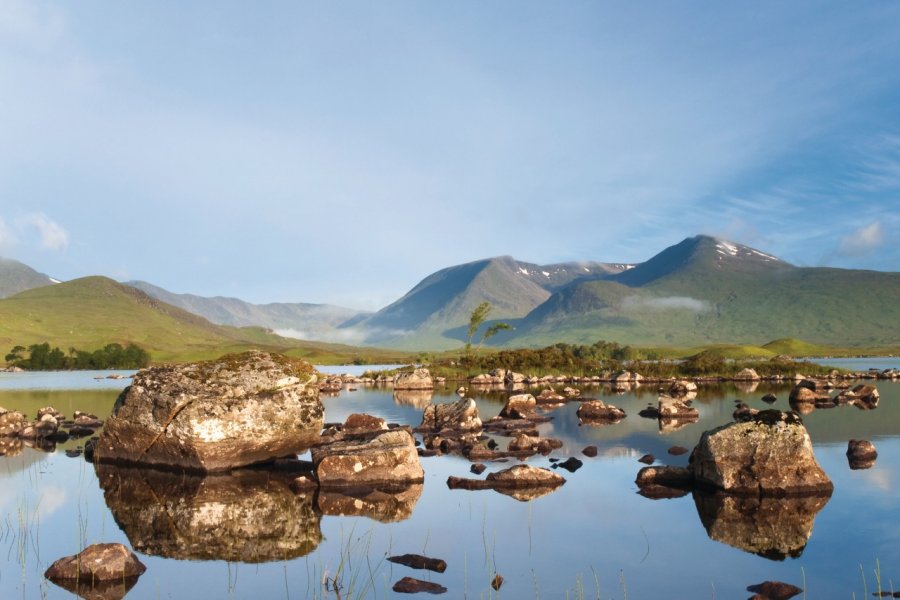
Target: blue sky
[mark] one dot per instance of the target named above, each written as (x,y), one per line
(341,151)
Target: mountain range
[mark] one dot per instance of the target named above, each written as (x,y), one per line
(703,290)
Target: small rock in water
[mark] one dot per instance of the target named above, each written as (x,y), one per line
(775,590)
(571,464)
(497,581)
(769,398)
(73,453)
(410,585)
(647,459)
(477,468)
(590,451)
(417,561)
(677,450)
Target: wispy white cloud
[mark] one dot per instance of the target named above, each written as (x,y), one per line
(666,303)
(51,235)
(863,240)
(7,237)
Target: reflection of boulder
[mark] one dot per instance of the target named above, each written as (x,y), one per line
(419,399)
(774,528)
(246,516)
(99,590)
(388,504)
(745,386)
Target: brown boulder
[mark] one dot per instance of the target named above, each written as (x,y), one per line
(97,563)
(519,406)
(861,454)
(768,454)
(411,585)
(212,416)
(372,459)
(597,410)
(774,590)
(361,423)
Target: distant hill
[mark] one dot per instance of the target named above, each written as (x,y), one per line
(706,290)
(90,312)
(431,314)
(296,320)
(16,277)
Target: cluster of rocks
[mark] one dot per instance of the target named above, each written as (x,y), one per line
(672,412)
(49,428)
(810,394)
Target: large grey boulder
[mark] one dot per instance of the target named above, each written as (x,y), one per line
(210,416)
(769,454)
(420,379)
(373,459)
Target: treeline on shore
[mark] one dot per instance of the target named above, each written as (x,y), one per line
(594,359)
(41,357)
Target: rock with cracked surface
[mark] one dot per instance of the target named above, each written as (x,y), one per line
(378,458)
(461,415)
(216,415)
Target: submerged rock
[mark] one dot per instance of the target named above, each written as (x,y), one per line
(768,454)
(372,459)
(774,590)
(213,416)
(417,561)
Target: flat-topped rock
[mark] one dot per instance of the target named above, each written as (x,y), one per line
(371,459)
(461,415)
(216,415)
(419,379)
(98,562)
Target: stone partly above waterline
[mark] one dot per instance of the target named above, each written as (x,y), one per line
(372,459)
(216,415)
(769,453)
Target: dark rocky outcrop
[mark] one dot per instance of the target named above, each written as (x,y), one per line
(370,459)
(96,564)
(249,515)
(768,454)
(410,585)
(775,528)
(417,561)
(213,416)
(774,590)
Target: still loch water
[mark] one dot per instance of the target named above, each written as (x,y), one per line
(248,536)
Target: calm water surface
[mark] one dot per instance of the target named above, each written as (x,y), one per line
(248,536)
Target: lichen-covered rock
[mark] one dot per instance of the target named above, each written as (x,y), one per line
(524,476)
(519,406)
(527,443)
(420,379)
(597,410)
(360,423)
(461,415)
(768,454)
(548,396)
(98,562)
(802,394)
(248,515)
(216,415)
(373,459)
(682,387)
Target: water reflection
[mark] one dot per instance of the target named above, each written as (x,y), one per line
(246,516)
(98,590)
(775,528)
(387,505)
(419,399)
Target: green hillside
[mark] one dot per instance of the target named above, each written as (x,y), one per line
(702,292)
(90,312)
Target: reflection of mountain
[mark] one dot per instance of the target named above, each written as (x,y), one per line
(247,516)
(775,528)
(387,505)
